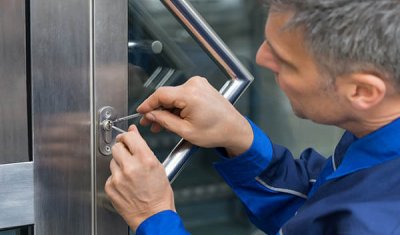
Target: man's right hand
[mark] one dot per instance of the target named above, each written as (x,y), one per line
(199,114)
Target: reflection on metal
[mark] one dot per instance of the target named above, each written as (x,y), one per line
(13,89)
(153,76)
(155,47)
(166,78)
(104,202)
(104,137)
(240,78)
(16,195)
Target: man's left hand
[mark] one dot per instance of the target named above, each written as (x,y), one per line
(138,186)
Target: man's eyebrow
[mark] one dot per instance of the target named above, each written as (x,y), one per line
(277,54)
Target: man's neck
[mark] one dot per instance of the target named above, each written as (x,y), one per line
(374,119)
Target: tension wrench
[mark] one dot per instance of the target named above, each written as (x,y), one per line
(118,129)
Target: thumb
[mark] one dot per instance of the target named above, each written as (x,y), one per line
(169,121)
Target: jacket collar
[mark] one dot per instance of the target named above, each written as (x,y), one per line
(353,154)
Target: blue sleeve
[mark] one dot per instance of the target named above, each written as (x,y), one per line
(271,184)
(163,223)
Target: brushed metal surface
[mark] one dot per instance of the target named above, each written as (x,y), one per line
(62,127)
(239,76)
(110,89)
(16,195)
(13,90)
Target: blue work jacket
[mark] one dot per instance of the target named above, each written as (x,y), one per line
(354,192)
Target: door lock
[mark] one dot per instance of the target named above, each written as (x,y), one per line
(105,127)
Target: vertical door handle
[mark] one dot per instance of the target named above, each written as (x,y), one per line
(240,77)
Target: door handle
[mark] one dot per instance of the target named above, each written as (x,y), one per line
(240,77)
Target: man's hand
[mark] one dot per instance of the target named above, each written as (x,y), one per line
(138,186)
(198,113)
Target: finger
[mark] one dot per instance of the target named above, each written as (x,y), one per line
(170,121)
(156,128)
(114,168)
(134,142)
(110,190)
(133,128)
(145,122)
(120,153)
(163,97)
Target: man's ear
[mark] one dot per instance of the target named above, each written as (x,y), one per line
(363,90)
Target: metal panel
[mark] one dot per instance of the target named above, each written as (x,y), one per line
(111,89)
(16,195)
(13,99)
(62,119)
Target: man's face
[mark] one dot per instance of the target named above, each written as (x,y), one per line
(312,96)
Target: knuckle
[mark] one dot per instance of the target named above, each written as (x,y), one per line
(197,79)
(133,128)
(161,92)
(109,186)
(193,90)
(129,171)
(128,137)
(150,161)
(117,180)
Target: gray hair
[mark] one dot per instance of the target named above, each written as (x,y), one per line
(348,36)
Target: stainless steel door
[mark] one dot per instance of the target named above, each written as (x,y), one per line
(76,63)
(79,63)
(63,61)
(79,54)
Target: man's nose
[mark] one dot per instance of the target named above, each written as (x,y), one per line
(265,58)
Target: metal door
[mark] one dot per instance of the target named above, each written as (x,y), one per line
(61,63)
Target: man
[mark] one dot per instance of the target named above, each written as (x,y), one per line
(338,63)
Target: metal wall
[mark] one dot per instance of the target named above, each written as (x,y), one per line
(16,195)
(13,83)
